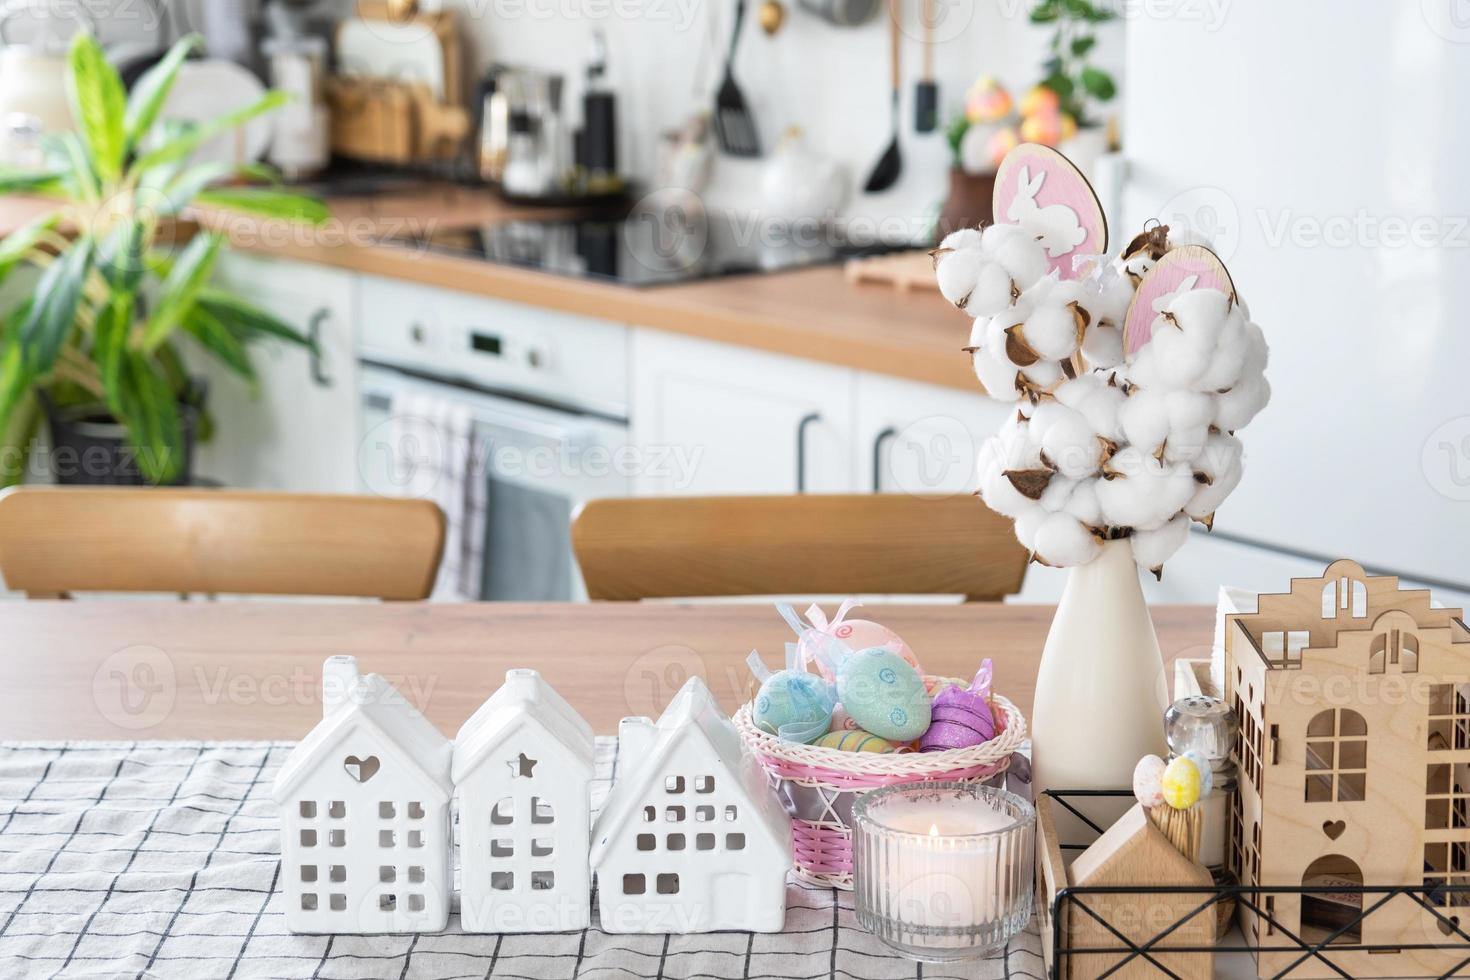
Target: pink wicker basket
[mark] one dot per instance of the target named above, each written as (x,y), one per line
(811,778)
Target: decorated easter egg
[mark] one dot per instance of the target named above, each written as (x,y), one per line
(794,705)
(1206,774)
(958,719)
(1181,782)
(1045,129)
(1040,101)
(1148,781)
(856,740)
(842,721)
(987,101)
(1002,141)
(884,694)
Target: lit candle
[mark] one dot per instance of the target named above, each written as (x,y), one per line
(943,870)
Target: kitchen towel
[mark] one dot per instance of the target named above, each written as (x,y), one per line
(160,859)
(436,457)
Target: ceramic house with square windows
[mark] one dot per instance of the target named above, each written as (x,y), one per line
(1354,752)
(691,838)
(364,804)
(523,767)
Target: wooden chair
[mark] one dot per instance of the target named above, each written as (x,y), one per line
(56,540)
(803,545)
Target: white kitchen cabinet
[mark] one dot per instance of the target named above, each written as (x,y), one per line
(299,432)
(711,418)
(919,438)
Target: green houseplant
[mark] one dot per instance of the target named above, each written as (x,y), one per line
(103,331)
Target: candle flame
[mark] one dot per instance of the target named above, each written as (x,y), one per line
(934,830)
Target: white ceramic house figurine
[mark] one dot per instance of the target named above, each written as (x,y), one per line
(364,801)
(523,765)
(691,838)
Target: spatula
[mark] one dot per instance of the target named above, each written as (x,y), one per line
(734,126)
(890,164)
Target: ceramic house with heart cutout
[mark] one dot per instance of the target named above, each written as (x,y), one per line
(364,804)
(523,767)
(692,837)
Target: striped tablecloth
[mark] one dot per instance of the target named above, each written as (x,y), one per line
(161,859)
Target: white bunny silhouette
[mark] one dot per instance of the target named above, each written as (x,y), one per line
(1161,302)
(1056,226)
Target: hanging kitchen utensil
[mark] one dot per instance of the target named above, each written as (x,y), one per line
(926,93)
(843,13)
(890,164)
(772,15)
(734,125)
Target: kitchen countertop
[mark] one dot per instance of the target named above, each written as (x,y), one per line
(812,313)
(146,669)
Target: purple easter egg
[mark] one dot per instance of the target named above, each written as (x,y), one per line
(961,719)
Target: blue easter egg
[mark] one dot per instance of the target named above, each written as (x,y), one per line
(884,694)
(794,705)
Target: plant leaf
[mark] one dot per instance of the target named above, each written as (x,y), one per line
(29,181)
(181,146)
(97,104)
(23,239)
(18,426)
(109,342)
(152,88)
(54,310)
(121,256)
(1098,84)
(267,203)
(1082,45)
(216,338)
(249,322)
(179,191)
(65,152)
(147,406)
(181,288)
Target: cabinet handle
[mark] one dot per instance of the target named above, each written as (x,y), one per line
(314,334)
(883,437)
(801,428)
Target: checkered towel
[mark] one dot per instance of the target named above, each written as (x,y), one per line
(160,859)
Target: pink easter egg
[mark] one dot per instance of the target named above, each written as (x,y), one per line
(1148,781)
(863,634)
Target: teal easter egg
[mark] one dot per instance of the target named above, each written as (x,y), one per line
(794,705)
(884,694)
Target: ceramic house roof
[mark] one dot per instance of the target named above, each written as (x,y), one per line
(353,703)
(524,700)
(692,714)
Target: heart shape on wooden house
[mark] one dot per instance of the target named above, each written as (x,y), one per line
(361,769)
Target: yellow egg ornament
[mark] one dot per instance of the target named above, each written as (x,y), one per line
(1181,783)
(854,740)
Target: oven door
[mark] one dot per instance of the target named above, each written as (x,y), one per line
(538,463)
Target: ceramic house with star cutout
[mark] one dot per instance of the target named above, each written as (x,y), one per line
(364,805)
(523,766)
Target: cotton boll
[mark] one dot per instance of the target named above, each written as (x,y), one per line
(1190,414)
(958,273)
(963,238)
(1199,314)
(992,291)
(1229,359)
(1221,453)
(1056,494)
(1071,445)
(1144,493)
(1207,499)
(1236,407)
(997,376)
(1072,393)
(1051,331)
(978,330)
(1000,495)
(1043,374)
(1101,410)
(1028,524)
(1043,416)
(1152,548)
(1257,354)
(1062,540)
(1179,357)
(1144,419)
(1082,504)
(1102,345)
(1021,256)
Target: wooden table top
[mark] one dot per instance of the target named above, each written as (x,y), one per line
(150,669)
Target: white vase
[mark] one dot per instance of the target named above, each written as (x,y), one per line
(1101,692)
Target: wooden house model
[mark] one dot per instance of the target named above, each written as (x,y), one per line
(523,767)
(1354,757)
(364,803)
(691,838)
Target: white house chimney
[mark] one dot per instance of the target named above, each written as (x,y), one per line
(339,680)
(635,737)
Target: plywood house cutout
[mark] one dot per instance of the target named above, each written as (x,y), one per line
(1135,852)
(523,767)
(691,838)
(1354,700)
(364,804)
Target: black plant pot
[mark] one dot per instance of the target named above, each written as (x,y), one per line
(90,447)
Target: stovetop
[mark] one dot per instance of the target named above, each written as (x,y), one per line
(656,246)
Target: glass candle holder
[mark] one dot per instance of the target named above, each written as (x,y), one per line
(943,870)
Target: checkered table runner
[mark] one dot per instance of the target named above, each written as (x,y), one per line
(161,859)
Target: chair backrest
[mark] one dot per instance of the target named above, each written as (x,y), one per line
(55,540)
(805,545)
